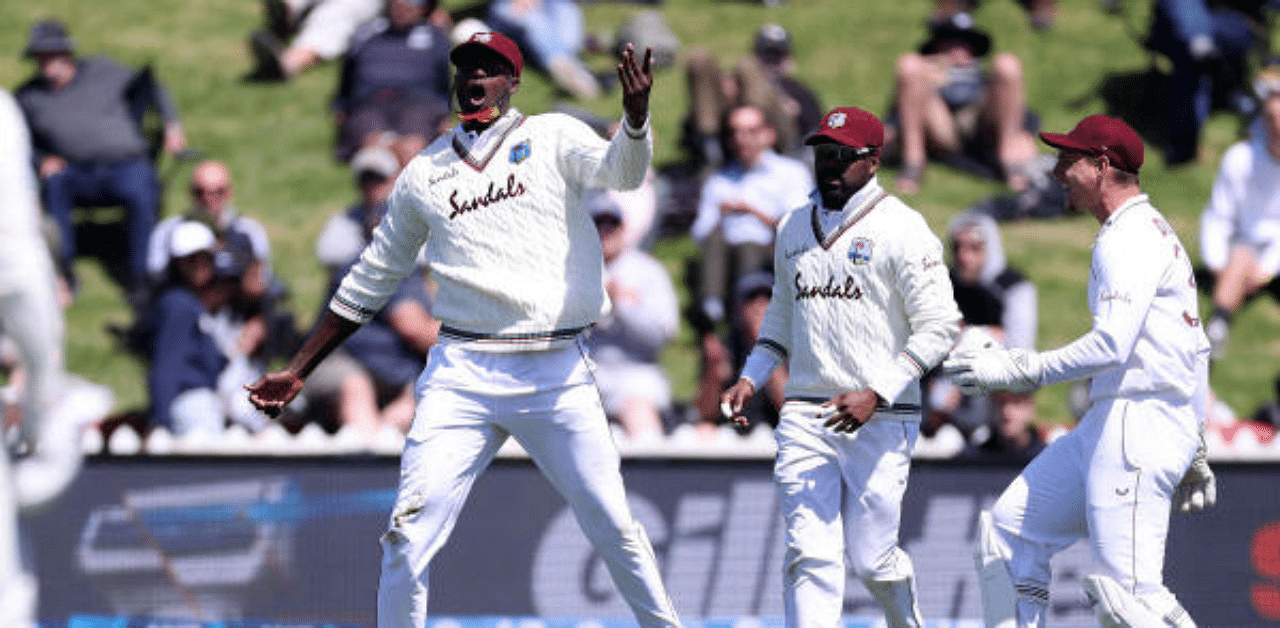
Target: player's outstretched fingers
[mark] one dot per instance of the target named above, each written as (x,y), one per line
(636,78)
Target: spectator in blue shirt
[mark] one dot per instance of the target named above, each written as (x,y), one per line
(394,86)
(1207,42)
(185,359)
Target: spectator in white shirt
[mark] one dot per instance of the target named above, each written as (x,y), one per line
(740,206)
(1240,227)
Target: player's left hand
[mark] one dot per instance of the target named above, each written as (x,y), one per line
(980,372)
(848,411)
(636,78)
(1198,489)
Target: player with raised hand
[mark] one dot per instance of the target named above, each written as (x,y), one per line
(1139,448)
(862,307)
(497,203)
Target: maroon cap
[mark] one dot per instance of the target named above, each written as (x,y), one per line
(1099,135)
(850,126)
(491,41)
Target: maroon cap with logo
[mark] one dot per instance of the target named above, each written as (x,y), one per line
(491,41)
(1099,135)
(850,126)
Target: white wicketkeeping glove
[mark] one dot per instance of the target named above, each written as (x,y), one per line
(1198,489)
(980,372)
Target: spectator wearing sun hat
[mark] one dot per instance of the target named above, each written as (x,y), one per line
(89,148)
(985,101)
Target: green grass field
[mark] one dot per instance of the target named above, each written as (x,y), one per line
(277,139)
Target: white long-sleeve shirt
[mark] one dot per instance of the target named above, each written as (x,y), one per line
(516,259)
(775,185)
(867,304)
(1146,336)
(1244,204)
(643,321)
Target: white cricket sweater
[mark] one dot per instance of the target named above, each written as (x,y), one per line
(866,305)
(1146,337)
(516,259)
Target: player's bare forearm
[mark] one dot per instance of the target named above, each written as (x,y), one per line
(636,79)
(275,390)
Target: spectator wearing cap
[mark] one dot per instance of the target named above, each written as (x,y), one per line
(738,210)
(184,358)
(801,105)
(720,361)
(374,170)
(1240,226)
(1208,44)
(368,382)
(644,318)
(394,84)
(552,33)
(862,308)
(764,79)
(949,104)
(88,144)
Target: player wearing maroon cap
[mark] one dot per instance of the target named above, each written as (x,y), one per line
(862,306)
(1139,447)
(495,208)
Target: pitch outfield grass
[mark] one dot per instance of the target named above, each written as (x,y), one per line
(277,139)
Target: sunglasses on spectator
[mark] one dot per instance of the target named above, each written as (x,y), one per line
(607,222)
(197,190)
(840,152)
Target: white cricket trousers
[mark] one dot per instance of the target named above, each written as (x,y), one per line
(1110,480)
(30,316)
(455,436)
(840,494)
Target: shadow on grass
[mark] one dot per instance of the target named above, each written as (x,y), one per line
(1137,97)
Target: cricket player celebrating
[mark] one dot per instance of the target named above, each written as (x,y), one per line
(862,306)
(1139,446)
(497,202)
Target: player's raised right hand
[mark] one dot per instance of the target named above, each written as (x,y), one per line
(274,391)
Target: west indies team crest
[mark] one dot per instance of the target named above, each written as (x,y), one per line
(520,152)
(860,251)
